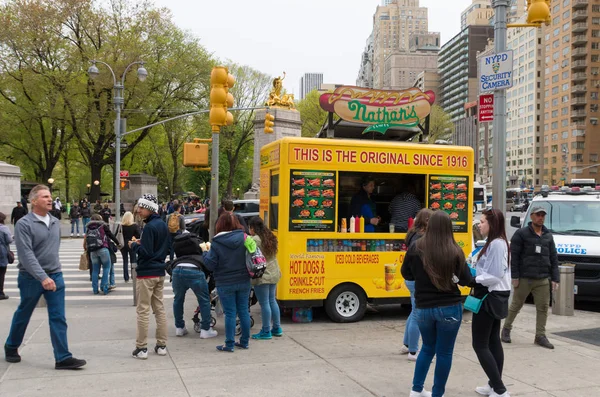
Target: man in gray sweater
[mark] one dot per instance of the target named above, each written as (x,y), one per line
(37,236)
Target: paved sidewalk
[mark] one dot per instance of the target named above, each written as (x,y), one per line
(316,359)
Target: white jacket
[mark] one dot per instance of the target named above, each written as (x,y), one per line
(492,267)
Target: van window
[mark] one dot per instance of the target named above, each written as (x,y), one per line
(576,218)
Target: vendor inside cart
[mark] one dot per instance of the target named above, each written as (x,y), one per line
(363,205)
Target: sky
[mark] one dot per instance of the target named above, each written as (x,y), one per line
(296,36)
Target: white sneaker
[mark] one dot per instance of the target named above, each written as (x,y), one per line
(484,390)
(403,350)
(505,394)
(424,393)
(77,234)
(208,333)
(160,350)
(71,234)
(141,354)
(181,331)
(413,357)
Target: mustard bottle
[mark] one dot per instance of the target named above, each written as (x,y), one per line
(362,224)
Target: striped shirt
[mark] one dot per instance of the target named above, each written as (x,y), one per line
(402,207)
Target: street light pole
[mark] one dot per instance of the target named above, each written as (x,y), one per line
(499,142)
(118,101)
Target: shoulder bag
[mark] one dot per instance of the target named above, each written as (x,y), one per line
(473,304)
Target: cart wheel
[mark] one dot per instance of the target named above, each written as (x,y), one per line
(213,321)
(197,327)
(251,321)
(347,303)
(238,327)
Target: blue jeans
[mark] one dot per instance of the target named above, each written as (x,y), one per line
(127,254)
(100,258)
(31,290)
(411,330)
(234,299)
(439,327)
(269,309)
(85,222)
(185,278)
(74,222)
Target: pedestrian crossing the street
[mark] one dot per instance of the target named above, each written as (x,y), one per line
(78,285)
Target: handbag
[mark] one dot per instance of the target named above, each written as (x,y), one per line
(119,235)
(84,263)
(10,256)
(473,304)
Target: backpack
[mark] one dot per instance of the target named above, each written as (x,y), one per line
(173,223)
(256,263)
(95,239)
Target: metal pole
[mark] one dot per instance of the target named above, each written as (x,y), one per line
(118,105)
(499,142)
(214,184)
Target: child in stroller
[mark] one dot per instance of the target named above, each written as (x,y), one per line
(217,310)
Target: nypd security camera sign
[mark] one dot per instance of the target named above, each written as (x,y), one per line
(496,72)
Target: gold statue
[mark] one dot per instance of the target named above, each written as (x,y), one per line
(275,97)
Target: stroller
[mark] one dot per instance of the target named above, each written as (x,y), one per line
(217,310)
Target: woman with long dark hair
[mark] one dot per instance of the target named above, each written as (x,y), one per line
(493,284)
(437,265)
(411,329)
(226,258)
(6,238)
(265,286)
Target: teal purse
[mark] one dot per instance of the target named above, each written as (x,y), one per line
(473,304)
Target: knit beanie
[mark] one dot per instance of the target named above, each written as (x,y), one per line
(149,202)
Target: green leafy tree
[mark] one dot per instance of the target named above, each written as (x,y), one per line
(312,114)
(441,126)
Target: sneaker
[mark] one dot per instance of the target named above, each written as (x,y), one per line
(208,333)
(413,356)
(424,393)
(239,344)
(70,363)
(142,354)
(262,335)
(160,350)
(11,355)
(71,235)
(277,332)
(505,394)
(77,234)
(505,336)
(112,287)
(543,341)
(484,390)
(3,297)
(181,331)
(404,349)
(223,348)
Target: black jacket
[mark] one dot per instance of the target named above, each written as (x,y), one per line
(17,213)
(86,212)
(75,212)
(525,262)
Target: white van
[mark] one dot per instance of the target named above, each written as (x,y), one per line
(573,217)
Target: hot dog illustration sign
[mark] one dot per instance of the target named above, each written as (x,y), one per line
(381,108)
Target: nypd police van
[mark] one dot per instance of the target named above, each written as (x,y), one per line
(573,217)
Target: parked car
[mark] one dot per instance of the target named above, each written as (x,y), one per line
(245,208)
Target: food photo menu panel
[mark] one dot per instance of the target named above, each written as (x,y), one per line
(312,201)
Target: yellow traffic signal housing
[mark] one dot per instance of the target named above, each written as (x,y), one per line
(124,184)
(269,123)
(195,154)
(538,12)
(220,98)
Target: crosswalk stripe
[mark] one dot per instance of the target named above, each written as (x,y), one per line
(78,285)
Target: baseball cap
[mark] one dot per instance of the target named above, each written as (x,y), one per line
(536,210)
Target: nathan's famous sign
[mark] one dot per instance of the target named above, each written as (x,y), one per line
(381,108)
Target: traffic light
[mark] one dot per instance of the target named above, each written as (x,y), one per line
(220,98)
(269,123)
(195,154)
(538,12)
(124,185)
